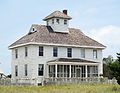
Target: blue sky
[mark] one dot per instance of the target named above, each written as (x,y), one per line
(99,19)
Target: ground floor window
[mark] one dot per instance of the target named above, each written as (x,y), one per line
(40,69)
(16,70)
(26,69)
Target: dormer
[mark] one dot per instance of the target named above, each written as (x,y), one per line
(59,21)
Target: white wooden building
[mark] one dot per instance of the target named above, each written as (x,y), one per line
(55,51)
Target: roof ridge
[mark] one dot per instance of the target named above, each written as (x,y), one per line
(57,14)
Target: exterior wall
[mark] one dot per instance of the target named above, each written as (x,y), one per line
(33,59)
(61,27)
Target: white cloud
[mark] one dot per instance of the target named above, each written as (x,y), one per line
(110,37)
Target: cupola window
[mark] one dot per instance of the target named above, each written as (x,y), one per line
(57,20)
(65,22)
(52,21)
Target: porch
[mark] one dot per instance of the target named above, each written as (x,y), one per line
(71,70)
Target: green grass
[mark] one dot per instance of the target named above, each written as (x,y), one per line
(71,88)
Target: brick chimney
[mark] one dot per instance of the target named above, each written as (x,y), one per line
(65,12)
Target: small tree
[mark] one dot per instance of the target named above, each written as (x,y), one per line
(115,68)
(106,69)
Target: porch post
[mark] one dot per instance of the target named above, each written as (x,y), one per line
(70,71)
(86,73)
(47,70)
(55,70)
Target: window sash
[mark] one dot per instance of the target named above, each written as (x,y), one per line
(69,52)
(41,50)
(40,69)
(55,51)
(26,69)
(52,21)
(95,54)
(16,70)
(58,21)
(26,51)
(65,22)
(16,53)
(83,53)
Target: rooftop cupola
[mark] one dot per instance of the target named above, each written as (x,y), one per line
(59,21)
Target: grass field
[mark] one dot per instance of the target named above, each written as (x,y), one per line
(73,88)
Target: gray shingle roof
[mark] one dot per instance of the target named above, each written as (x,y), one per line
(57,14)
(45,34)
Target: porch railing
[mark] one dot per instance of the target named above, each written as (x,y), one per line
(97,80)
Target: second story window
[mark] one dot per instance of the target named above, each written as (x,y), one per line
(16,53)
(58,21)
(82,53)
(40,69)
(26,51)
(94,54)
(65,22)
(41,50)
(26,69)
(55,51)
(16,70)
(69,52)
(52,21)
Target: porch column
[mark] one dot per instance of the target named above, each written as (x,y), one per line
(55,70)
(47,70)
(86,73)
(70,71)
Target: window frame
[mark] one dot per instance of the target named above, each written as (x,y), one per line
(16,70)
(16,53)
(69,52)
(26,51)
(26,69)
(40,70)
(52,21)
(41,51)
(58,20)
(65,22)
(55,51)
(82,52)
(95,55)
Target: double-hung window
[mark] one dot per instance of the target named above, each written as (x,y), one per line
(16,53)
(26,51)
(26,69)
(41,50)
(69,52)
(94,54)
(55,51)
(40,69)
(82,52)
(16,70)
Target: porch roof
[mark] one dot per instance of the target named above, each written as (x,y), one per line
(71,61)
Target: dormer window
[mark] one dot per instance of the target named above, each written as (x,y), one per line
(52,21)
(57,20)
(65,22)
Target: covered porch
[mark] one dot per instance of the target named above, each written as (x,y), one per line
(70,69)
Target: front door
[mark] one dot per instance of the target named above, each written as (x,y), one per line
(78,72)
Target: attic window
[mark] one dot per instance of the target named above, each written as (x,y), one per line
(57,20)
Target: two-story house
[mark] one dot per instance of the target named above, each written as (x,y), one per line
(55,51)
